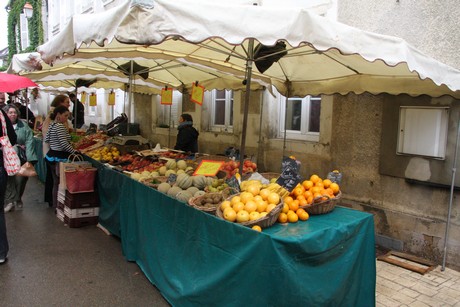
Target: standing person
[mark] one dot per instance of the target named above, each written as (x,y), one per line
(187,136)
(2,100)
(57,101)
(3,178)
(25,139)
(58,138)
(78,111)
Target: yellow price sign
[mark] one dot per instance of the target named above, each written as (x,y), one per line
(166,96)
(197,94)
(208,168)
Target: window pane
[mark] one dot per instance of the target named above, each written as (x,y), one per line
(231,112)
(293,114)
(220,94)
(219,112)
(315,112)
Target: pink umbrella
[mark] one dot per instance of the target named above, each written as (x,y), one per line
(10,83)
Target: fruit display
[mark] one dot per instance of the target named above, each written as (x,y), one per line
(105,154)
(232,167)
(217,185)
(90,142)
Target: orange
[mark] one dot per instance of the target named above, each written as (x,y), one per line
(225,204)
(315,178)
(307,184)
(250,206)
(229,214)
(288,200)
(257,228)
(298,190)
(282,218)
(302,214)
(303,202)
(292,217)
(270,207)
(309,199)
(327,183)
(273,198)
(285,208)
(253,189)
(238,207)
(319,184)
(242,216)
(264,193)
(254,215)
(307,194)
(235,199)
(257,198)
(335,188)
(246,196)
(294,205)
(261,205)
(315,190)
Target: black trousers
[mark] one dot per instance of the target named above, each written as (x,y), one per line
(49,184)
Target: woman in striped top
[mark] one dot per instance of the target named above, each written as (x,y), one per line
(58,138)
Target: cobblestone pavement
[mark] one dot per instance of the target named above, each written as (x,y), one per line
(397,286)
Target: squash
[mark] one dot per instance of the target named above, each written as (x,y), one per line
(200,182)
(184,181)
(193,190)
(184,196)
(199,193)
(171,164)
(174,191)
(181,164)
(164,187)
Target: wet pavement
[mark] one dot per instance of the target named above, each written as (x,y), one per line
(51,264)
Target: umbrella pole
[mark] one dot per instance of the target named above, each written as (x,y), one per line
(75,107)
(246,101)
(169,130)
(454,170)
(285,119)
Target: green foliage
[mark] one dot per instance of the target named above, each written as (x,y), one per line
(36,36)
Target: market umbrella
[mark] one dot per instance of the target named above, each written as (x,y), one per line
(321,56)
(10,83)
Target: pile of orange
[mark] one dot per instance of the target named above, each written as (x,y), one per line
(304,194)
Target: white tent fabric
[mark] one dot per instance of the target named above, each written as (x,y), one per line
(324,57)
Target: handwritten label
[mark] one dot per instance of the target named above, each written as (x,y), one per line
(234,184)
(208,168)
(290,174)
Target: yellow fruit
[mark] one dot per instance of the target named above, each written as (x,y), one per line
(335,188)
(273,198)
(326,183)
(302,214)
(246,196)
(242,216)
(238,207)
(285,208)
(270,207)
(262,214)
(225,204)
(229,214)
(254,215)
(264,193)
(292,217)
(257,228)
(235,199)
(250,206)
(282,218)
(253,189)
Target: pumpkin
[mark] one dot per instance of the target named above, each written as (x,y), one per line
(184,181)
(200,182)
(164,187)
(171,164)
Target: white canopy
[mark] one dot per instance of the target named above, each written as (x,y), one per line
(323,57)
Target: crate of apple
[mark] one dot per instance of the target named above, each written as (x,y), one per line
(232,167)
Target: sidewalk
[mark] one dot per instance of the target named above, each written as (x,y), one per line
(53,265)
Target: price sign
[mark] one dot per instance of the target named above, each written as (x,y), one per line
(172,178)
(233,183)
(208,168)
(197,94)
(166,96)
(290,177)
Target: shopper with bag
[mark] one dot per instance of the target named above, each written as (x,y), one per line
(59,100)
(58,138)
(5,132)
(26,151)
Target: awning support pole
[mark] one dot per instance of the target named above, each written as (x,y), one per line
(452,185)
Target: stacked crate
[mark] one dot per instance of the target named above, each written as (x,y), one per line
(78,209)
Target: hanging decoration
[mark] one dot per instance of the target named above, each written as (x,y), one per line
(166,95)
(111,101)
(197,93)
(93,100)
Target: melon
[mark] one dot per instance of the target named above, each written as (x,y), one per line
(184,181)
(193,190)
(199,193)
(162,170)
(164,187)
(169,172)
(200,182)
(181,164)
(174,190)
(184,196)
(171,164)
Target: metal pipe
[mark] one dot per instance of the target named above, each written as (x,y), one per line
(246,101)
(259,147)
(285,117)
(454,170)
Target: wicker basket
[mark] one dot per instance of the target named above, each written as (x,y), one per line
(324,206)
(148,182)
(263,222)
(195,202)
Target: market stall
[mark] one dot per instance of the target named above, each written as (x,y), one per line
(197,259)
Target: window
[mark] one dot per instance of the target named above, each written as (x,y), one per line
(423,131)
(169,114)
(24,25)
(222,110)
(300,117)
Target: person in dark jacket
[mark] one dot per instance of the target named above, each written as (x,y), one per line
(78,111)
(3,178)
(187,136)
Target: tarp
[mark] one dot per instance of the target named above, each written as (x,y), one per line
(323,56)
(196,259)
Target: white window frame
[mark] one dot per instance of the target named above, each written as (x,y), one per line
(229,103)
(422,131)
(87,6)
(303,133)
(24,28)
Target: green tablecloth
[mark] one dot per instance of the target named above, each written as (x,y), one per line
(196,259)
